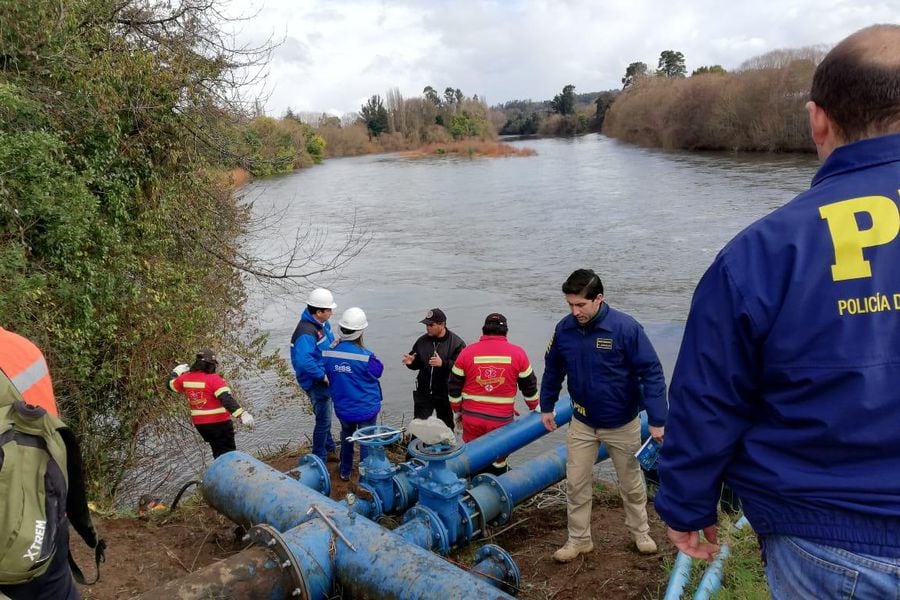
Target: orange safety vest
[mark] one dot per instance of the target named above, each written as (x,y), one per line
(25,366)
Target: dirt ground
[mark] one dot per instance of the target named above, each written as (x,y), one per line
(144,553)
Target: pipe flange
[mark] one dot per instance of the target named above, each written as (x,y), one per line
(377,504)
(511,574)
(431,452)
(471,517)
(317,466)
(506,504)
(438,531)
(269,537)
(401,496)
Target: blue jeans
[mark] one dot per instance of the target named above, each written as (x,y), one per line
(799,568)
(320,398)
(347,429)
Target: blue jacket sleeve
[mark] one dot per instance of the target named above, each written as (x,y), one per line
(647,367)
(554,373)
(711,402)
(376,367)
(303,360)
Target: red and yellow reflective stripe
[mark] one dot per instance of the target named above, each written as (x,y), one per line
(214,411)
(221,391)
(194,385)
(500,360)
(526,372)
(490,399)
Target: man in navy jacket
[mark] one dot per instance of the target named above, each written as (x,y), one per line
(787,385)
(310,337)
(612,371)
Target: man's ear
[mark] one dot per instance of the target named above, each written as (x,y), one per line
(821,129)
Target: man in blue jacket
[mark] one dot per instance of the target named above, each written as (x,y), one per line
(612,370)
(787,386)
(311,336)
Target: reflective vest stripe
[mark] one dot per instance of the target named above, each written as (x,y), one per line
(346,355)
(194,385)
(457,371)
(456,400)
(215,411)
(535,396)
(501,360)
(221,391)
(32,374)
(490,399)
(526,372)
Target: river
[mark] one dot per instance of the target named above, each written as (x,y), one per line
(502,234)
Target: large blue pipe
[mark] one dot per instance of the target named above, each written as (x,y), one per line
(382,564)
(480,453)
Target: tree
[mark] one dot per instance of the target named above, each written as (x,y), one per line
(634,71)
(564,103)
(710,70)
(604,101)
(449,95)
(671,64)
(122,246)
(375,116)
(432,95)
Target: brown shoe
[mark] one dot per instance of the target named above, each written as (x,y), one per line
(645,543)
(572,550)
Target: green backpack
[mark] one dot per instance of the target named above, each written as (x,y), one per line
(33,484)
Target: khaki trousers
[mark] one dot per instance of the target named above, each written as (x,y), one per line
(582,444)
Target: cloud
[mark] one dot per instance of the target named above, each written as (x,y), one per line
(336,54)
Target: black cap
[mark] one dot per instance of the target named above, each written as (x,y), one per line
(207,355)
(435,315)
(495,319)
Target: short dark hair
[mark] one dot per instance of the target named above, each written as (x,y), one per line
(857,84)
(315,309)
(583,282)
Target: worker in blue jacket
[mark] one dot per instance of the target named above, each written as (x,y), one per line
(353,371)
(787,385)
(310,337)
(612,371)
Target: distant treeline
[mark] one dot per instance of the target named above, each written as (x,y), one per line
(759,107)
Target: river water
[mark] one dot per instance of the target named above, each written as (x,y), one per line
(485,235)
(478,236)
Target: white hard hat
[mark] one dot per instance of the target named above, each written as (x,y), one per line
(321,298)
(353,319)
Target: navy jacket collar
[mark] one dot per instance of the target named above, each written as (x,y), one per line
(860,155)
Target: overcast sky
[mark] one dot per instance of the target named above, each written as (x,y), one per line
(335,53)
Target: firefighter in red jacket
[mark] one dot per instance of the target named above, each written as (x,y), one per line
(484,380)
(212,405)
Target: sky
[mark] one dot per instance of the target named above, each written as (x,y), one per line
(334,54)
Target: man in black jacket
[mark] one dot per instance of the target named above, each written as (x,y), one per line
(433,356)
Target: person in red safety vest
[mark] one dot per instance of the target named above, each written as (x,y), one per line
(212,405)
(484,380)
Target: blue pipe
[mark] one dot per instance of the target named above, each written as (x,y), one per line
(712,578)
(383,563)
(480,453)
(678,578)
(394,486)
(496,496)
